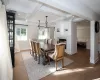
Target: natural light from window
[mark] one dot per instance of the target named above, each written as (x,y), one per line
(97,79)
(68,71)
(21,33)
(43,34)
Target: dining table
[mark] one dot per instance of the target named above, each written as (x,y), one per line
(46,48)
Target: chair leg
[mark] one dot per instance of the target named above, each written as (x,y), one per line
(33,54)
(39,59)
(35,57)
(49,59)
(56,65)
(62,63)
(30,51)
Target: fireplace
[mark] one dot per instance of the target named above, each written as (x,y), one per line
(62,41)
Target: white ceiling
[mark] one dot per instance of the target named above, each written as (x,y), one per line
(40,15)
(33,10)
(93,4)
(21,5)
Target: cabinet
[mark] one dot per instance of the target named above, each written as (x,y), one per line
(11,34)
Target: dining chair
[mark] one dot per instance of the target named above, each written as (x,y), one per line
(38,51)
(54,41)
(49,41)
(45,40)
(30,42)
(58,54)
(33,48)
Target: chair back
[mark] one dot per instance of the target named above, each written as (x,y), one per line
(45,41)
(30,42)
(37,45)
(59,50)
(49,41)
(54,41)
(33,47)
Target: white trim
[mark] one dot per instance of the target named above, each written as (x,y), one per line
(0,4)
(94,61)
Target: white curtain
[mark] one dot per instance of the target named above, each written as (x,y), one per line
(6,71)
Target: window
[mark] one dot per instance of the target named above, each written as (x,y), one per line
(21,33)
(43,33)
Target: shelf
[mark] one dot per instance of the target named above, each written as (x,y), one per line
(11,33)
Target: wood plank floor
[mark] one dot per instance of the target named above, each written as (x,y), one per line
(20,72)
(81,69)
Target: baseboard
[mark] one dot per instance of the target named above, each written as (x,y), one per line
(94,62)
(17,52)
(25,50)
(97,59)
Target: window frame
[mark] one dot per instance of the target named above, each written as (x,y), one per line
(21,37)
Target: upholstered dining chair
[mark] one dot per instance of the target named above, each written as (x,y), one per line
(38,51)
(54,41)
(58,54)
(46,41)
(49,41)
(31,44)
(33,48)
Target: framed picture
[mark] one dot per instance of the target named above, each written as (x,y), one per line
(65,29)
(58,30)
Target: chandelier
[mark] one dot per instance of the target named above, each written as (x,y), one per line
(46,23)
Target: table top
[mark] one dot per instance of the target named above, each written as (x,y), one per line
(46,47)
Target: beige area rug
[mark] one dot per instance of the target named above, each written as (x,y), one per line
(37,71)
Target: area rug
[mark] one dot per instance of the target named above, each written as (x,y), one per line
(37,71)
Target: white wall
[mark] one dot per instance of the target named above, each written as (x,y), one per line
(93,44)
(83,31)
(6,71)
(61,26)
(71,43)
(32,33)
(51,30)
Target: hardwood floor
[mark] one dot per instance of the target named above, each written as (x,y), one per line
(20,72)
(80,69)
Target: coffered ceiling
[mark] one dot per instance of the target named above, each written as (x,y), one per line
(34,10)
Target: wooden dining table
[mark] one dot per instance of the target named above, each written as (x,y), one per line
(46,48)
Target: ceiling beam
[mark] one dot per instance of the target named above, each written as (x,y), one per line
(62,18)
(70,18)
(74,7)
(77,19)
(54,11)
(36,9)
(33,23)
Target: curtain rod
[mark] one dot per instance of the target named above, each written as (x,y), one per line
(21,24)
